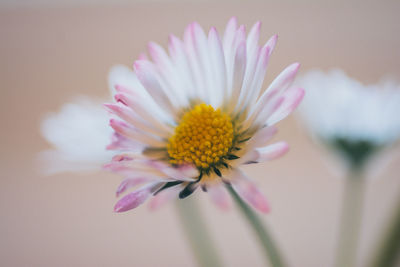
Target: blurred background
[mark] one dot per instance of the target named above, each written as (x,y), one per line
(52,51)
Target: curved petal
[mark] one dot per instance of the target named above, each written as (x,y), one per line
(132,118)
(196,46)
(135,134)
(218,66)
(134,199)
(284,79)
(148,76)
(179,59)
(249,192)
(130,182)
(230,32)
(239,69)
(262,137)
(219,196)
(146,109)
(233,58)
(266,153)
(280,84)
(292,99)
(169,74)
(120,142)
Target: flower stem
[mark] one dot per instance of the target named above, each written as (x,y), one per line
(197,234)
(271,251)
(389,250)
(351,218)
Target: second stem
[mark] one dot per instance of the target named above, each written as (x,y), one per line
(351,218)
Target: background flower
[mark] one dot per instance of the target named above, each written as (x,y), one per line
(353,118)
(355,121)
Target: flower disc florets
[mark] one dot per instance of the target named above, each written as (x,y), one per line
(203,137)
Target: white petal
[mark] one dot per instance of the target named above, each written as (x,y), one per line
(180,61)
(218,67)
(262,154)
(262,137)
(230,60)
(195,43)
(239,68)
(229,34)
(169,74)
(148,76)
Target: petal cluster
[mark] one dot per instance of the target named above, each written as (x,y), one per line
(155,103)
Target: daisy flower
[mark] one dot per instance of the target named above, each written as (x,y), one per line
(355,119)
(189,118)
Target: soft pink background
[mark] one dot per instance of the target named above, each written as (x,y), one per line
(49,55)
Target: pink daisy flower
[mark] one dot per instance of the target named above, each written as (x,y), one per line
(189,118)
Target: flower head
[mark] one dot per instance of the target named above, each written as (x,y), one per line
(355,119)
(191,117)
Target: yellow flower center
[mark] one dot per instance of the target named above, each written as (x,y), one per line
(203,137)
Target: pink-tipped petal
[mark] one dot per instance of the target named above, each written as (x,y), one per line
(230,31)
(258,78)
(143,56)
(130,182)
(262,136)
(262,154)
(285,78)
(119,142)
(234,56)
(218,66)
(249,192)
(219,196)
(133,118)
(292,98)
(254,35)
(132,200)
(262,113)
(271,43)
(278,87)
(134,134)
(272,151)
(239,69)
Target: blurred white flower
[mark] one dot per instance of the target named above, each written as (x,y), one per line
(355,118)
(79,134)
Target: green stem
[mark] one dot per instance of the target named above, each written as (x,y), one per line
(389,252)
(351,218)
(197,234)
(271,251)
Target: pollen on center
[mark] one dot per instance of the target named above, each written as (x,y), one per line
(203,137)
